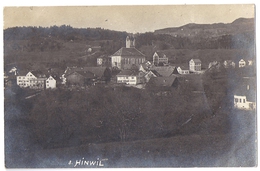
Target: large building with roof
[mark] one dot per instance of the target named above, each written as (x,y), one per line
(77,74)
(36,80)
(127,57)
(195,65)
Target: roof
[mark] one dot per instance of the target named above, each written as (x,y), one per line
(38,74)
(155,73)
(86,74)
(133,52)
(162,81)
(126,72)
(165,71)
(184,67)
(160,54)
(98,71)
(196,60)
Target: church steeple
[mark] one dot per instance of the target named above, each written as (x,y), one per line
(130,42)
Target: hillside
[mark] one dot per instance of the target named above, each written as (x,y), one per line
(241,25)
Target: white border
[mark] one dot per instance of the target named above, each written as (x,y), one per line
(114,2)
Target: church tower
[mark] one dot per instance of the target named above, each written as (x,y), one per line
(130,42)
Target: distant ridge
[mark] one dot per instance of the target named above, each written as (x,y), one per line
(239,25)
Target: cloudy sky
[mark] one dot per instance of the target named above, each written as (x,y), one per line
(125,18)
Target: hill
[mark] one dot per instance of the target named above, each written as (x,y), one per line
(240,25)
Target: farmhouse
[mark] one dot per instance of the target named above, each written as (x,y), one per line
(127,57)
(79,78)
(245,96)
(159,57)
(162,85)
(241,63)
(195,65)
(100,74)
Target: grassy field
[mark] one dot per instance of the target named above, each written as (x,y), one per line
(235,148)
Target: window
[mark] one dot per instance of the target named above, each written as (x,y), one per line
(236,100)
(240,100)
(47,81)
(244,100)
(132,77)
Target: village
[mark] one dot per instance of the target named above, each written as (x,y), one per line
(129,67)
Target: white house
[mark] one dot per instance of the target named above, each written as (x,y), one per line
(50,83)
(250,62)
(195,65)
(183,70)
(159,57)
(241,63)
(245,97)
(130,77)
(33,80)
(126,77)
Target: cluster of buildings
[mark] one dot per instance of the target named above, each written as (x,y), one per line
(135,71)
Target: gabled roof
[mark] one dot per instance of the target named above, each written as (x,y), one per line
(127,72)
(97,71)
(165,71)
(86,74)
(155,73)
(38,74)
(196,60)
(133,52)
(160,54)
(162,81)
(184,67)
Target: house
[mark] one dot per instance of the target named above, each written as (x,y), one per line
(250,62)
(79,78)
(151,74)
(127,57)
(214,63)
(245,95)
(165,71)
(229,64)
(241,63)
(145,67)
(51,83)
(33,80)
(162,85)
(101,74)
(126,77)
(159,57)
(183,70)
(103,61)
(99,61)
(195,65)
(13,71)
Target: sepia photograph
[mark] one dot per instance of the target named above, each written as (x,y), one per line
(130,86)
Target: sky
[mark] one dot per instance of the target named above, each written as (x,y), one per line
(131,18)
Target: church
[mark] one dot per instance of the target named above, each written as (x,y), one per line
(127,57)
